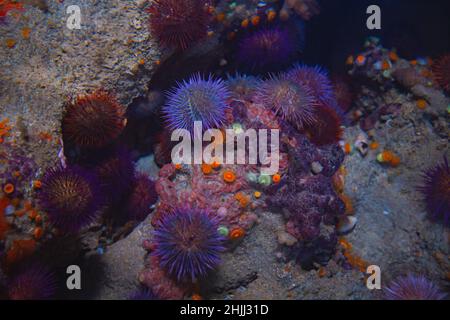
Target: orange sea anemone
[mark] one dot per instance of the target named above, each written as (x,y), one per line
(421,104)
(237,233)
(206,168)
(374,145)
(385,156)
(229,176)
(276,178)
(8,188)
(243,199)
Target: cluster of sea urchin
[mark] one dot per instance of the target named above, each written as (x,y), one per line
(179,24)
(436,192)
(187,243)
(71,197)
(198,99)
(413,287)
(93,121)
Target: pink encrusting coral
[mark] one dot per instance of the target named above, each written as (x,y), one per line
(205,191)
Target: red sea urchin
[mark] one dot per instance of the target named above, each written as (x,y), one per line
(187,243)
(142,198)
(436,192)
(327,128)
(35,282)
(412,287)
(94,120)
(178,24)
(441,72)
(290,100)
(343,92)
(316,80)
(71,198)
(116,174)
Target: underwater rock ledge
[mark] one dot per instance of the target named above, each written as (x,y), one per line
(45,63)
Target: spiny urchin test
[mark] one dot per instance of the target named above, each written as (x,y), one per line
(197,99)
(187,243)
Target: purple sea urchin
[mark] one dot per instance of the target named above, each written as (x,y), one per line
(116,174)
(71,198)
(142,198)
(290,100)
(178,24)
(436,192)
(412,287)
(316,80)
(94,120)
(198,99)
(35,282)
(187,243)
(268,49)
